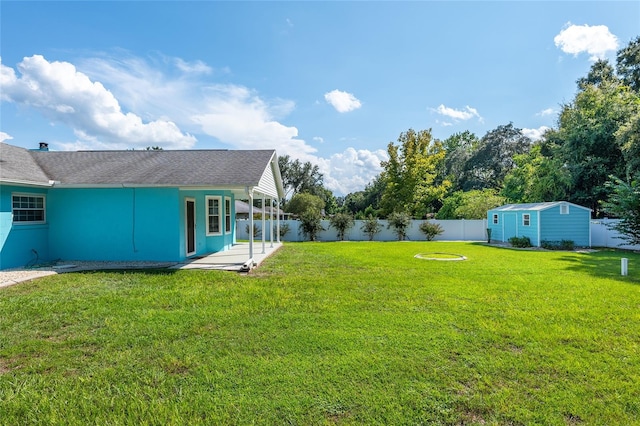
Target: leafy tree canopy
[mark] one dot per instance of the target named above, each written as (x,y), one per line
(304,203)
(490,163)
(472,204)
(628,64)
(298,177)
(411,174)
(624,203)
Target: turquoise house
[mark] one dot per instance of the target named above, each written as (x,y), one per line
(126,205)
(551,221)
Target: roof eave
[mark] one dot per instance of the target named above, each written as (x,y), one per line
(18,182)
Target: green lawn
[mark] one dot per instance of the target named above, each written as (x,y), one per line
(331,333)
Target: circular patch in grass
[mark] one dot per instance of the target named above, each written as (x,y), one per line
(440,256)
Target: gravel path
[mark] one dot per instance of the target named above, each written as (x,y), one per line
(10,277)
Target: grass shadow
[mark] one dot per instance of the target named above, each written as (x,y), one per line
(606,263)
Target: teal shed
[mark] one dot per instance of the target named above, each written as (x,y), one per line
(126,205)
(549,221)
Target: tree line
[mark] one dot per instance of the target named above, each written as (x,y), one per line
(591,158)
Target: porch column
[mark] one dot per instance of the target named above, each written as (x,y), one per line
(278,219)
(271,221)
(264,225)
(250,193)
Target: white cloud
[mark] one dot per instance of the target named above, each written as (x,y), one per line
(63,94)
(595,40)
(351,170)
(546,112)
(197,67)
(318,139)
(464,114)
(5,137)
(342,101)
(535,134)
(172,99)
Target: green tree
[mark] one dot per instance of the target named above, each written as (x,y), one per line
(493,159)
(600,72)
(298,177)
(586,139)
(371,227)
(399,221)
(342,222)
(628,64)
(624,203)
(472,204)
(537,178)
(431,230)
(411,174)
(304,202)
(311,224)
(459,148)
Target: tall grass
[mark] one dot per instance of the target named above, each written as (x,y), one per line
(331,333)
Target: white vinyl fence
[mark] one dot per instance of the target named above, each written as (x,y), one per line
(454,230)
(603,236)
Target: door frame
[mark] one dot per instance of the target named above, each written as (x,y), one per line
(505,227)
(188,200)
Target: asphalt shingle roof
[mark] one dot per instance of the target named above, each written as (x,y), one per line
(17,164)
(165,168)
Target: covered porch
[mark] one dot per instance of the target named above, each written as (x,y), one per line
(238,258)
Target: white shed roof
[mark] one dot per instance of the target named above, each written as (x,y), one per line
(535,206)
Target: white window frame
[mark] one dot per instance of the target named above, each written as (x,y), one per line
(564,208)
(29,222)
(227,215)
(495,219)
(208,216)
(526,219)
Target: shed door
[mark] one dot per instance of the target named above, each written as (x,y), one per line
(510,224)
(190,225)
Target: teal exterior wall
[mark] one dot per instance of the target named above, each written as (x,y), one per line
(206,244)
(545,225)
(575,226)
(496,229)
(110,224)
(511,224)
(19,241)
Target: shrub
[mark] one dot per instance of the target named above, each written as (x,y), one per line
(284,229)
(399,222)
(342,222)
(256,230)
(371,227)
(558,245)
(520,242)
(431,230)
(310,224)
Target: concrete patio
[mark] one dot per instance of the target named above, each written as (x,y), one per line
(234,259)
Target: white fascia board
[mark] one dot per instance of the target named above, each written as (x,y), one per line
(25,183)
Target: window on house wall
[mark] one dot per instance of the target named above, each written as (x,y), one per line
(28,208)
(214,216)
(495,219)
(564,209)
(526,219)
(227,215)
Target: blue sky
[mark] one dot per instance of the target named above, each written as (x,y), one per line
(328,82)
